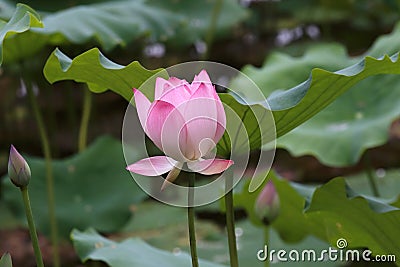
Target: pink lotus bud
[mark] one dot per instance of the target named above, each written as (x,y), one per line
(185,121)
(18,169)
(267,204)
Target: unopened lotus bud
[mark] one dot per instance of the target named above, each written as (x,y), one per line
(267,204)
(18,169)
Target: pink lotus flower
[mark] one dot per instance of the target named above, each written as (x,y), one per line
(185,121)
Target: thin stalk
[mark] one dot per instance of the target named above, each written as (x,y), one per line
(371,177)
(32,228)
(372,182)
(192,230)
(211,28)
(230,212)
(230,224)
(49,174)
(83,130)
(266,242)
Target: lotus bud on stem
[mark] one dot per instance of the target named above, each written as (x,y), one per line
(20,175)
(267,204)
(267,208)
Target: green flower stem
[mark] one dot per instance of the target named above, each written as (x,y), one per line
(266,242)
(192,231)
(372,182)
(32,228)
(87,106)
(49,175)
(371,177)
(211,28)
(230,223)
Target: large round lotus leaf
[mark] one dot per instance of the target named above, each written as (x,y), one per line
(132,252)
(212,240)
(357,120)
(20,21)
(332,211)
(118,23)
(91,189)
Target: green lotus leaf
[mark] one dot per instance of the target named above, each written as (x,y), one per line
(330,212)
(292,230)
(98,72)
(294,106)
(111,23)
(359,119)
(91,189)
(117,23)
(387,181)
(132,252)
(361,222)
(23,19)
(211,238)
